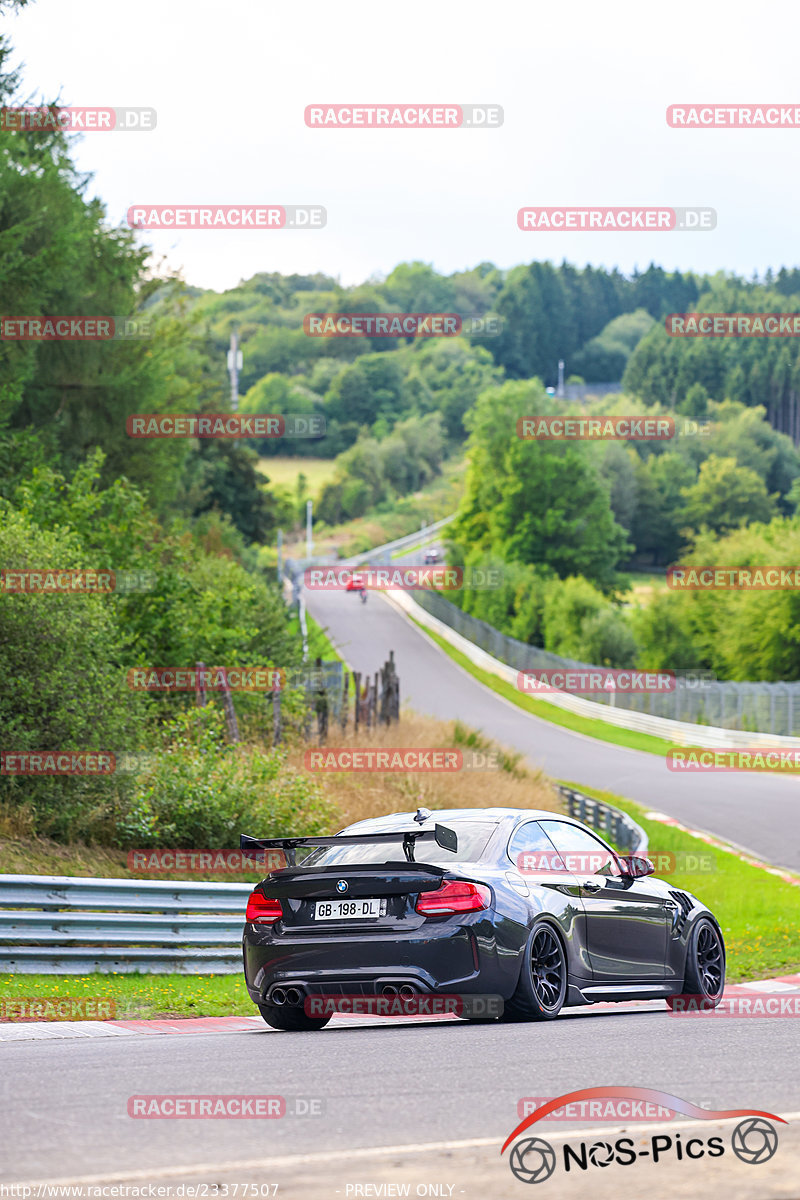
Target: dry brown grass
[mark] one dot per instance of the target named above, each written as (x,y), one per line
(362,794)
(357,795)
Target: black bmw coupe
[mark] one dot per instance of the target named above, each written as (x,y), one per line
(525,905)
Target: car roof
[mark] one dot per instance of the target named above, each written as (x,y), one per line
(450,815)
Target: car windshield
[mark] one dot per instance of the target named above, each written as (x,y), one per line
(473,838)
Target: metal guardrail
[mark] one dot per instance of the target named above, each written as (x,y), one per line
(61,925)
(410,539)
(716,712)
(618,827)
(293,567)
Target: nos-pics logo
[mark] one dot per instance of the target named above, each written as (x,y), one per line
(533,1160)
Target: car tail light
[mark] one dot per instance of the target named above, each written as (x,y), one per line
(454,897)
(261,908)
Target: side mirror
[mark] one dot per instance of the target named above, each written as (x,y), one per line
(637,866)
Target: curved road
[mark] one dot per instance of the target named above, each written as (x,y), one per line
(421,1107)
(757,811)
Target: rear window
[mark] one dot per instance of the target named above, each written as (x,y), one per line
(473,838)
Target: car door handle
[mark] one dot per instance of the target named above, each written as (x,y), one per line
(589,886)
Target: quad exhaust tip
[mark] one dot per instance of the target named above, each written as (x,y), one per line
(406,990)
(289,995)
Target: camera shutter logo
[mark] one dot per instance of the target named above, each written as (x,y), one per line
(533,1161)
(754,1140)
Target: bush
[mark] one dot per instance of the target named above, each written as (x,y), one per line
(61,682)
(202,793)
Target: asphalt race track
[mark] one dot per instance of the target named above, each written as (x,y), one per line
(758,811)
(422,1107)
(411,1085)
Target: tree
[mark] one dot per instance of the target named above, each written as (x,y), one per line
(658,516)
(60,680)
(726,496)
(537,502)
(368,389)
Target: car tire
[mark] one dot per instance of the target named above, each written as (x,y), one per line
(542,987)
(704,976)
(290,1019)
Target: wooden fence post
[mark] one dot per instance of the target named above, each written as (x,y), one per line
(200,684)
(277,727)
(230,711)
(357,689)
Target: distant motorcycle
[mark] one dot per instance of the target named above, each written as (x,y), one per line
(356,584)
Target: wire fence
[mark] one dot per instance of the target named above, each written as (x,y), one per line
(696,697)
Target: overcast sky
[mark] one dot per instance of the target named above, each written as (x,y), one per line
(584,87)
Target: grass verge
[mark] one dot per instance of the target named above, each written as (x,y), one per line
(548,712)
(319,644)
(759,913)
(139,997)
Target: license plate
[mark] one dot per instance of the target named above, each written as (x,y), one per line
(349,910)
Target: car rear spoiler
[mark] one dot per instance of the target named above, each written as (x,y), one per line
(444,837)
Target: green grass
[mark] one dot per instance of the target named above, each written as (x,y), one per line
(283,472)
(402,516)
(759,913)
(141,996)
(644,587)
(319,644)
(549,712)
(405,550)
